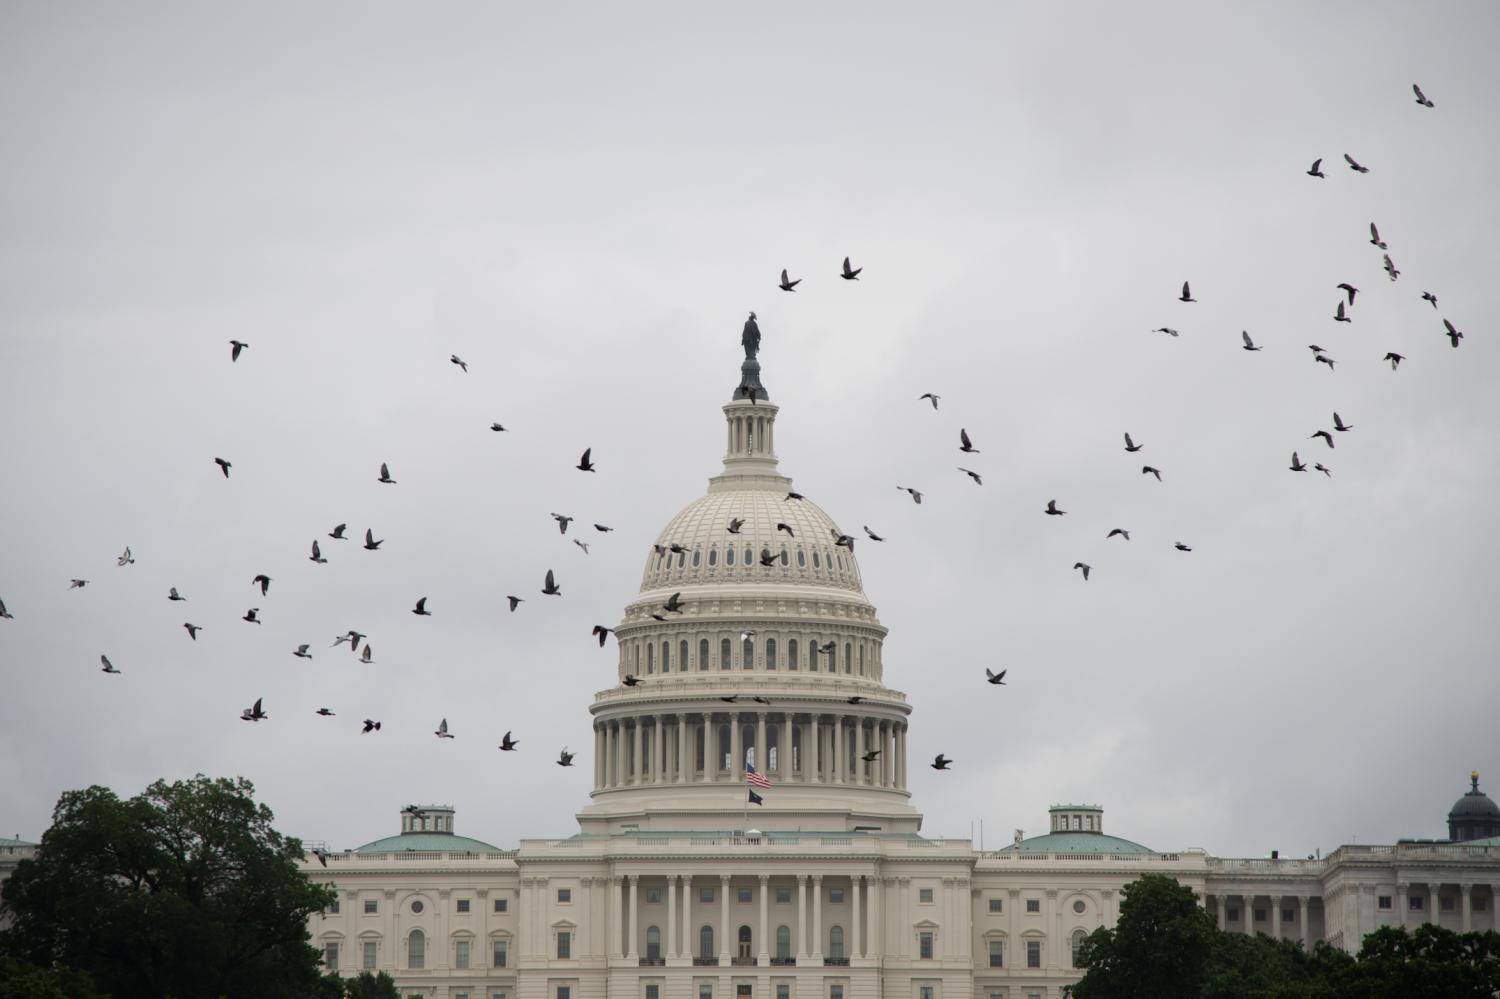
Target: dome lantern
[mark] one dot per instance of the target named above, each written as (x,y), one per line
(1474,816)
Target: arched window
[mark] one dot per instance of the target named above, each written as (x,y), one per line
(703,653)
(801,559)
(666,657)
(682,656)
(861,658)
(773,743)
(749,556)
(706,942)
(650,659)
(696,556)
(744,935)
(726,654)
(1078,937)
(653,943)
(724,757)
(848,658)
(416,950)
(836,942)
(816,564)
(783,556)
(783,943)
(729,555)
(747,654)
(713,557)
(791,653)
(770,653)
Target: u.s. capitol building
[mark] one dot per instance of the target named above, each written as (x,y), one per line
(773,664)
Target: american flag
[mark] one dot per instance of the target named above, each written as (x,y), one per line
(754,778)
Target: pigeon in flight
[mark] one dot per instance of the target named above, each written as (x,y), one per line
(192,630)
(930,397)
(940,762)
(1340,425)
(787,285)
(916,496)
(581,544)
(370,543)
(301,652)
(1297,465)
(263,581)
(1327,437)
(254,712)
(1181,547)
(125,557)
(871,756)
(1120,531)
(1453,334)
(421,609)
(1169,331)
(562,522)
(1323,358)
(780,526)
(5,613)
(508,744)
(1356,167)
(794,496)
(353,638)
(973,475)
(224,466)
(368,656)
(109,667)
(584,464)
(848,274)
(767,559)
(317,554)
(338,532)
(843,541)
(1349,290)
(873,536)
(1339,316)
(856,700)
(235,346)
(1052,510)
(602,529)
(172,594)
(1085,567)
(735,523)
(998,679)
(1421,97)
(249,615)
(1316,170)
(600,632)
(1187,295)
(674,604)
(514,601)
(550,587)
(1148,470)
(497,428)
(964,444)
(1390,268)
(631,680)
(565,758)
(1249,343)
(1428,296)
(676,549)
(1323,468)
(1394,358)
(370,726)
(1131,446)
(1375,240)
(325,712)
(455,359)
(442,730)
(74,584)
(385,475)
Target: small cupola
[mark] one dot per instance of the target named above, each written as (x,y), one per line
(1475,815)
(1077,818)
(427,819)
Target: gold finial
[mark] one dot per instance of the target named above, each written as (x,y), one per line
(1474,779)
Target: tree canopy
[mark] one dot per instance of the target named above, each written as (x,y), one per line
(184,890)
(368,986)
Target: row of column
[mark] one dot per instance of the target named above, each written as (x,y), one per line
(1434,901)
(1247,915)
(823,752)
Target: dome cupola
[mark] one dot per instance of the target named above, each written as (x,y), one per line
(1474,816)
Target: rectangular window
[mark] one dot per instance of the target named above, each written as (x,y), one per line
(1480,904)
(924,945)
(783,896)
(463,905)
(1383,902)
(997,953)
(835,895)
(564,895)
(1033,953)
(502,905)
(924,992)
(461,954)
(367,961)
(783,991)
(835,992)
(371,907)
(1446,903)
(653,896)
(333,908)
(497,995)
(653,992)
(500,953)
(331,956)
(564,992)
(1260,915)
(744,895)
(1288,915)
(743,990)
(460,995)
(924,894)
(1033,905)
(705,991)
(996,906)
(705,894)
(1414,903)
(564,945)
(1231,914)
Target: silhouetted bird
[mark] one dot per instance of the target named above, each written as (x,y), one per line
(5,613)
(421,609)
(254,713)
(940,762)
(601,633)
(602,529)
(584,464)
(872,534)
(550,587)
(385,475)
(1453,334)
(1327,437)
(324,712)
(109,667)
(317,554)
(1421,97)
(454,359)
(338,532)
(1085,567)
(125,558)
(786,527)
(930,397)
(998,679)
(964,444)
(1316,170)
(370,543)
(735,523)
(1297,465)
(767,559)
(565,758)
(1356,167)
(1187,295)
(1120,531)
(1052,510)
(1131,446)
(263,581)
(370,726)
(1169,331)
(1323,468)
(787,285)
(1390,268)
(75,584)
(916,496)
(301,652)
(192,630)
(631,680)
(1181,547)
(1322,358)
(562,522)
(514,601)
(1148,470)
(871,756)
(582,544)
(224,466)
(674,604)
(1339,316)
(973,475)
(172,594)
(1394,358)
(1349,290)
(1339,424)
(507,744)
(850,275)
(794,496)
(442,730)
(235,346)
(497,428)
(249,615)
(1249,343)
(1428,296)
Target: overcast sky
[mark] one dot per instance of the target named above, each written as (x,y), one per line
(583,201)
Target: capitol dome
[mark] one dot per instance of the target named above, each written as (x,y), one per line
(1474,816)
(750,670)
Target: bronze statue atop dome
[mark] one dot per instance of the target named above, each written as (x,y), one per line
(750,338)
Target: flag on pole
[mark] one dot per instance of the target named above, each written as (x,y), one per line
(756,799)
(754,778)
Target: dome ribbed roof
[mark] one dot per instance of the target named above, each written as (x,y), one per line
(432,842)
(1475,805)
(1077,842)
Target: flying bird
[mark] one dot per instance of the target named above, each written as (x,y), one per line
(301,652)
(848,274)
(5,613)
(872,534)
(370,726)
(964,444)
(1148,470)
(75,584)
(843,541)
(871,756)
(856,700)
(368,655)
(1339,316)
(940,762)
(581,544)
(455,359)
(1349,290)
(916,496)
(1316,170)
(602,633)
(235,346)
(1340,425)
(1297,465)
(1324,359)
(1169,331)
(676,549)
(317,554)
(1453,334)
(1131,446)
(1323,468)
(602,529)
(1120,531)
(325,712)
(353,638)
(735,523)
(1421,97)
(584,464)
(1394,358)
(1390,268)
(322,857)
(109,667)
(1327,437)
(263,581)
(370,543)
(565,758)
(442,730)
(125,557)
(562,522)
(550,587)
(973,475)
(192,630)
(1187,295)
(631,680)
(767,559)
(421,609)
(338,532)
(172,594)
(1428,296)
(508,744)
(514,601)
(1249,343)
(998,679)
(1356,167)
(1181,547)
(1375,240)
(930,397)
(1085,567)
(1315,348)
(254,712)
(385,475)
(786,527)
(1052,510)
(794,496)
(787,285)
(224,466)
(249,615)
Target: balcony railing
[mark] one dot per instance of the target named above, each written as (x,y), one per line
(742,962)
(835,962)
(705,962)
(783,962)
(653,962)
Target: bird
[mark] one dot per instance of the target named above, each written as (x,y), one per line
(1327,437)
(1390,268)
(1356,167)
(1428,296)
(1375,240)
(421,609)
(843,541)
(998,679)
(1340,425)
(353,638)
(562,522)
(787,528)
(856,700)
(317,554)
(1323,468)
(582,544)
(192,630)
(263,581)
(550,587)
(125,557)
(1297,465)
(940,762)
(1187,295)
(794,496)
(631,680)
(1120,531)
(1324,359)
(674,604)
(224,466)
(1421,97)
(172,594)
(385,475)
(1052,510)
(1339,316)
(602,529)
(1085,567)
(1131,446)
(1453,334)
(514,601)
(370,726)
(370,543)
(1315,348)
(677,549)
(760,700)
(109,667)
(1181,547)
(368,656)
(455,359)
(1349,290)
(871,756)
(848,274)
(325,712)
(788,285)
(5,613)
(1169,331)
(254,712)
(931,397)
(235,346)
(412,810)
(872,535)
(767,559)
(601,633)
(827,648)
(75,584)
(249,615)
(301,652)
(964,444)
(916,496)
(322,857)
(584,464)
(1249,343)
(497,428)
(735,523)
(507,744)
(1316,170)
(565,758)
(1394,358)
(338,533)
(1148,470)
(973,475)
(442,730)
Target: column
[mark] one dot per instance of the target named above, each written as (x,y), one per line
(1402,891)
(710,750)
(1433,915)
(598,756)
(658,750)
(724,919)
(684,762)
(635,752)
(672,916)
(836,758)
(1223,912)
(801,918)
(813,763)
(616,909)
(1249,914)
(857,944)
(631,951)
(762,754)
(687,915)
(1468,913)
(876,894)
(817,922)
(1303,912)
(765,881)
(736,749)
(887,765)
(1275,917)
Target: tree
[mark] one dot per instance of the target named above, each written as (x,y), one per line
(1160,946)
(368,986)
(19,980)
(1430,963)
(185,890)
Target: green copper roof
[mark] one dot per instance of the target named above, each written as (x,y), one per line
(7,841)
(1077,842)
(428,842)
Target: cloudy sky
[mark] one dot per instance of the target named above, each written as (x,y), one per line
(583,201)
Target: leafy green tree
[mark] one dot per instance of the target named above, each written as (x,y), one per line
(1160,946)
(184,890)
(1430,963)
(368,986)
(19,980)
